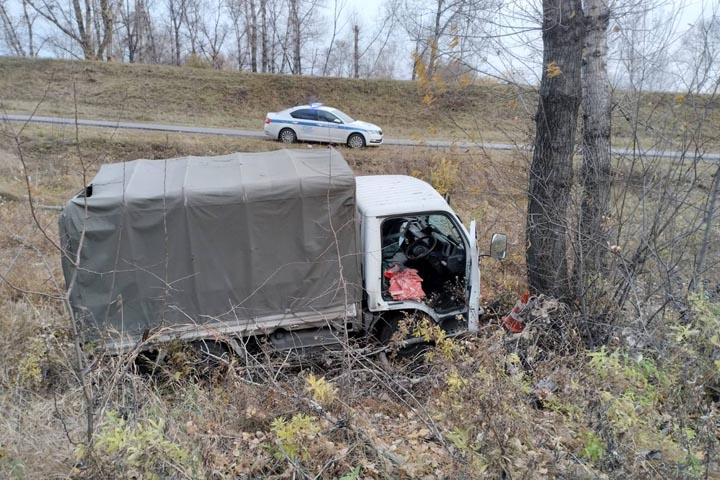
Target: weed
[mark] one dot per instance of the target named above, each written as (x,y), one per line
(293,436)
(321,390)
(593,448)
(140,449)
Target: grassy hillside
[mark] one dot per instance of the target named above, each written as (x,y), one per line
(190,96)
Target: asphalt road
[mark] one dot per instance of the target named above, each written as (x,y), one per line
(156,127)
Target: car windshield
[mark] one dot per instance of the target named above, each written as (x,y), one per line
(343,116)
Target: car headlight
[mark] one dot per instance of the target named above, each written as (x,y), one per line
(379,132)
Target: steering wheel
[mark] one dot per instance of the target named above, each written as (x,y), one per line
(419,247)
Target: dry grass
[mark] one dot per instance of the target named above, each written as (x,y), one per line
(476,410)
(227,427)
(186,96)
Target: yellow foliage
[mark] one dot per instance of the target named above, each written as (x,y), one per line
(30,367)
(430,332)
(443,175)
(455,382)
(321,390)
(294,435)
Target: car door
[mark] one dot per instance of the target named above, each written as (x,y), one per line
(330,127)
(305,121)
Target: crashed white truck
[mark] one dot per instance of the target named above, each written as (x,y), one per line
(288,245)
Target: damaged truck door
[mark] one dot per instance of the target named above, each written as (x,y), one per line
(288,245)
(418,257)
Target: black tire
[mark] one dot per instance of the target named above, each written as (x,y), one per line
(356,140)
(287,135)
(211,354)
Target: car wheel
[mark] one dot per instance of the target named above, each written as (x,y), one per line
(287,135)
(356,141)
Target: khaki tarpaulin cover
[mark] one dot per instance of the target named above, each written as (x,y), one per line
(230,238)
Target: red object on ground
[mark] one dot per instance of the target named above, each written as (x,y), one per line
(405,283)
(514,321)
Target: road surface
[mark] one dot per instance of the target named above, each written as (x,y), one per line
(231,132)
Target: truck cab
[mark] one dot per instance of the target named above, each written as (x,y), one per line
(406,223)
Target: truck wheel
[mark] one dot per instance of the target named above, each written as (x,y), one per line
(356,141)
(287,135)
(211,354)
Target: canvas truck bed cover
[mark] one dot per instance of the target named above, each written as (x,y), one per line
(233,242)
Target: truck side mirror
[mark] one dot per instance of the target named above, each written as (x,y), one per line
(498,246)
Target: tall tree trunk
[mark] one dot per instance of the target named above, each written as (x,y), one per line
(550,176)
(253,36)
(29,22)
(264,59)
(356,51)
(177,46)
(699,270)
(434,41)
(177,14)
(295,24)
(84,33)
(416,59)
(108,18)
(595,177)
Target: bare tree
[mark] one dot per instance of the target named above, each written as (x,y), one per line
(435,27)
(236,16)
(134,21)
(90,25)
(176,13)
(10,32)
(338,6)
(214,31)
(193,14)
(29,25)
(550,175)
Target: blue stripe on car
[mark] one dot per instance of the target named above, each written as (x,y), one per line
(311,124)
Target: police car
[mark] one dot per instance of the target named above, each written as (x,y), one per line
(320,123)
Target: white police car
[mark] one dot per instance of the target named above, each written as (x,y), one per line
(319,123)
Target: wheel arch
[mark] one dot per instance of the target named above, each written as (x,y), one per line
(383,318)
(279,134)
(361,133)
